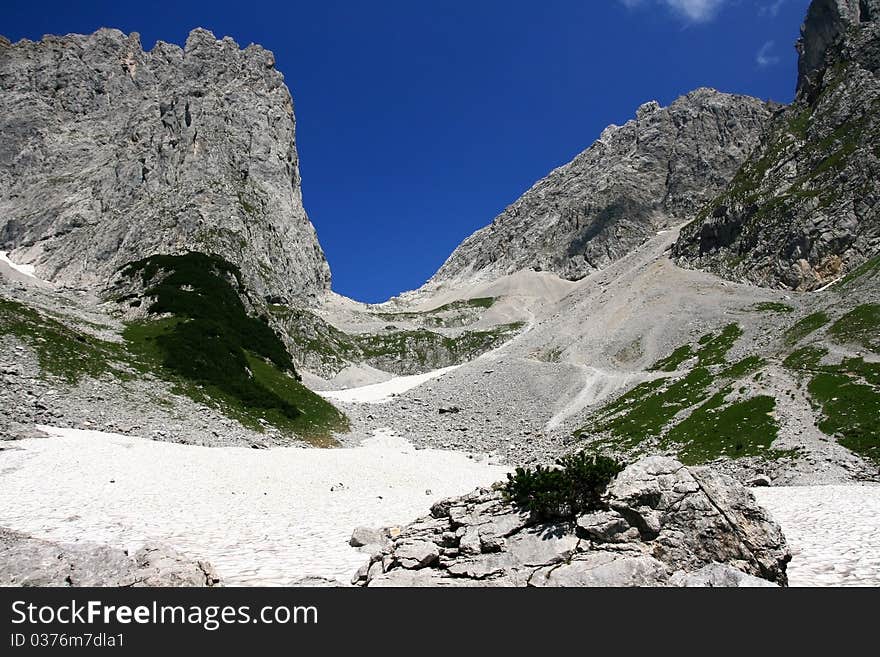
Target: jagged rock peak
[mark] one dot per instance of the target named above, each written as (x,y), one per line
(654,170)
(805,208)
(826,22)
(111,154)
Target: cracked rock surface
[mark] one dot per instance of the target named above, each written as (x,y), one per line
(664,524)
(111,154)
(29,561)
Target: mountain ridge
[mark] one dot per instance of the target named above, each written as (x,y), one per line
(633,180)
(112,154)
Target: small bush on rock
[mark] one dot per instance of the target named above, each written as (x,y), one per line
(575,486)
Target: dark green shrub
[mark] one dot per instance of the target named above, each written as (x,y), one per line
(564,492)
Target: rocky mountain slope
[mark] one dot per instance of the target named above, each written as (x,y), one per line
(111,154)
(655,170)
(805,208)
(638,356)
(643,356)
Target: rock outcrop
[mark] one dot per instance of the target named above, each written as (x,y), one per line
(803,210)
(111,154)
(664,525)
(28,561)
(655,170)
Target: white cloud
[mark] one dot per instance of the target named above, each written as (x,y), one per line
(698,11)
(693,11)
(771,9)
(765,56)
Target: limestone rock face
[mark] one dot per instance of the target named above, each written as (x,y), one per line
(664,525)
(826,22)
(654,171)
(27,561)
(805,208)
(110,154)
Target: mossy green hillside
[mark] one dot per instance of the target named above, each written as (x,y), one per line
(745,427)
(860,326)
(455,313)
(846,396)
(773,307)
(62,351)
(805,326)
(850,411)
(691,414)
(217,351)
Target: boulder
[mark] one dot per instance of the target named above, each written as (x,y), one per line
(604,569)
(662,524)
(362,536)
(28,561)
(690,517)
(417,554)
(718,575)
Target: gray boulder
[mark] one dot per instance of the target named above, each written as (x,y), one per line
(690,517)
(719,575)
(363,536)
(604,569)
(27,561)
(664,524)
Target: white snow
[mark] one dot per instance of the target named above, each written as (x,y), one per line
(379,393)
(833,532)
(262,517)
(27,270)
(827,285)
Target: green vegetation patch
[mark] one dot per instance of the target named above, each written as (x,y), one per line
(743,367)
(861,326)
(773,307)
(572,488)
(716,429)
(648,413)
(317,416)
(804,326)
(673,360)
(216,351)
(805,358)
(713,348)
(851,412)
(866,269)
(713,428)
(62,351)
(847,395)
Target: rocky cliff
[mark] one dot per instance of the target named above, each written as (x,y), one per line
(654,171)
(111,154)
(803,209)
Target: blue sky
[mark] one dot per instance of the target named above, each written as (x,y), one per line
(419,121)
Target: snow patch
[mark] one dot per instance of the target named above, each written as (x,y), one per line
(262,517)
(27,270)
(380,393)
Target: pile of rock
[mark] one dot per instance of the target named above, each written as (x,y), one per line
(664,525)
(28,561)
